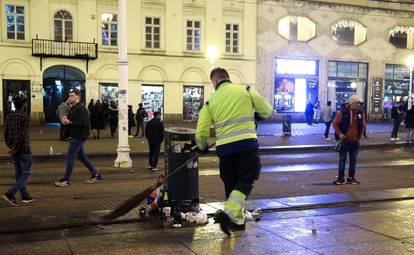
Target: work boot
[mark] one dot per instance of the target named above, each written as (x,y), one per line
(224,220)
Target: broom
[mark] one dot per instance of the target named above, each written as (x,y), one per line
(135,200)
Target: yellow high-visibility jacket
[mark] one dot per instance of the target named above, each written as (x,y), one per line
(231,110)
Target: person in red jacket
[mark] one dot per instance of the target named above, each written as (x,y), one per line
(349,126)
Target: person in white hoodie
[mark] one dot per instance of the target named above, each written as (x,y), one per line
(327,116)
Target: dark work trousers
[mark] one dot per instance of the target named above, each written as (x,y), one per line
(352,149)
(394,133)
(328,126)
(140,125)
(154,152)
(113,125)
(239,171)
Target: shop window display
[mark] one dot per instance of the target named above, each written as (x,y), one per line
(109,91)
(193,101)
(152,98)
(397,79)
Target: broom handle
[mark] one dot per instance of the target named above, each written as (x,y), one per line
(185,163)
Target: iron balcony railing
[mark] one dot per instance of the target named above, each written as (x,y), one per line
(60,49)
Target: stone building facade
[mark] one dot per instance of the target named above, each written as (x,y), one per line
(50,46)
(304,50)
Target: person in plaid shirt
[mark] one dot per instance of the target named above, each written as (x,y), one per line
(16,136)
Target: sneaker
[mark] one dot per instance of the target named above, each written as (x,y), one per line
(339,182)
(352,181)
(224,220)
(327,138)
(62,183)
(10,199)
(237,227)
(94,179)
(27,199)
(392,139)
(130,136)
(397,139)
(155,169)
(149,167)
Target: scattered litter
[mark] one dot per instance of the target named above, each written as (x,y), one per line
(195,217)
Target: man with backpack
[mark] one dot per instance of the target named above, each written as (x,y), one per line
(349,126)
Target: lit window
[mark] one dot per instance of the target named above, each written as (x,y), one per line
(193,35)
(349,32)
(232,38)
(152,32)
(297,28)
(109,24)
(15,22)
(402,37)
(63,26)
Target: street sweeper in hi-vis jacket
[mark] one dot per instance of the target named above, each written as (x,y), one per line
(232,110)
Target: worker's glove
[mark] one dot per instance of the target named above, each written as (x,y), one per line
(198,150)
(257,117)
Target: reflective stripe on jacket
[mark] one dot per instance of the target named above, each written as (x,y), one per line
(231,111)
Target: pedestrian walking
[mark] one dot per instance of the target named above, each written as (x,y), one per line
(131,120)
(327,116)
(232,109)
(155,136)
(396,115)
(90,105)
(363,108)
(113,117)
(309,112)
(409,124)
(349,124)
(62,111)
(78,123)
(16,136)
(140,116)
(105,111)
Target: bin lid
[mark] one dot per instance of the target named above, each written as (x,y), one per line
(181,130)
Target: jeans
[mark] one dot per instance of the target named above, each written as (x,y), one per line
(410,133)
(154,152)
(394,133)
(328,125)
(22,171)
(76,148)
(239,171)
(352,148)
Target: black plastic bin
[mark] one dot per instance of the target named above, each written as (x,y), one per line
(182,188)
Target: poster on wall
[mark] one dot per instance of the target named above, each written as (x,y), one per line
(376,95)
(152,98)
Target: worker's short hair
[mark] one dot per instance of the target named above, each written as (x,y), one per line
(219,73)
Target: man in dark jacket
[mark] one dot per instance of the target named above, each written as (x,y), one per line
(78,123)
(155,136)
(409,124)
(16,136)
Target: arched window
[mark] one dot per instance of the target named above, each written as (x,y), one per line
(297,28)
(63,26)
(349,32)
(402,37)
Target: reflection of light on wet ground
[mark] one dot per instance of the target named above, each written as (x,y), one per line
(314,167)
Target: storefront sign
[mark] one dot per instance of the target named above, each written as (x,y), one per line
(377,88)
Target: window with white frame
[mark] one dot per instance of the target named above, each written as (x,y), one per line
(232,38)
(193,35)
(63,26)
(152,32)
(109,24)
(15,22)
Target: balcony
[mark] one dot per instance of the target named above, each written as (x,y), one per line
(59,49)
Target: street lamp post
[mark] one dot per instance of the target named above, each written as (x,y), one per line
(410,64)
(123,159)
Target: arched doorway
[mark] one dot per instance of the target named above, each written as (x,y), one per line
(57,81)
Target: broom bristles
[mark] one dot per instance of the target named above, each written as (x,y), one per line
(130,203)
